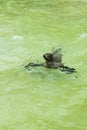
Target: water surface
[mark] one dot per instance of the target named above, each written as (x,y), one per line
(42,99)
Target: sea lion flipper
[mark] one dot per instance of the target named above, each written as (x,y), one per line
(67,70)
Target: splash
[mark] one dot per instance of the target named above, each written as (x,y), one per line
(81,37)
(17,38)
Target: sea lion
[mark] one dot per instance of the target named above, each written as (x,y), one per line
(54,61)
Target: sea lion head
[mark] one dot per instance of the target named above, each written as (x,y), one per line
(48,57)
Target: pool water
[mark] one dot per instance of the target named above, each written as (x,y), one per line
(42,98)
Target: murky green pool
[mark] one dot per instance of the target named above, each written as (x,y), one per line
(42,99)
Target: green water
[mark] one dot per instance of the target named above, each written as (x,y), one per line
(42,99)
